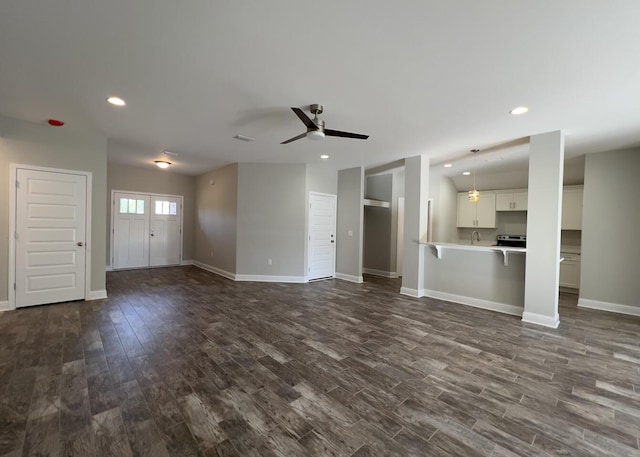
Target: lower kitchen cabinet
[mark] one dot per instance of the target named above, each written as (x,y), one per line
(570,271)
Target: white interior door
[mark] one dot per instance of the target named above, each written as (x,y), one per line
(130,230)
(322,229)
(50,237)
(164,242)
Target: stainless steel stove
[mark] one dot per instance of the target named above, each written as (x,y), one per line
(515,241)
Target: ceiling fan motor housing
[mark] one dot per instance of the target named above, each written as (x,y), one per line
(316,108)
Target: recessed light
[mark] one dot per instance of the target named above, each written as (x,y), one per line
(162,163)
(466,173)
(448,165)
(519,110)
(117,101)
(324,156)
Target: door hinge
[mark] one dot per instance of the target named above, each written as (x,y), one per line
(14,286)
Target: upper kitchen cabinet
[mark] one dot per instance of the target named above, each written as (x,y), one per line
(572,207)
(512,200)
(478,215)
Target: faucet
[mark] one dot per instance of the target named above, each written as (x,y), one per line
(477,235)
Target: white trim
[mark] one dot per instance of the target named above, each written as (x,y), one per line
(4,305)
(350,278)
(215,270)
(308,245)
(108,268)
(97,295)
(609,307)
(475,302)
(186,262)
(271,278)
(384,274)
(541,319)
(13,175)
(412,292)
(150,194)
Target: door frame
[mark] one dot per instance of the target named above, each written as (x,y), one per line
(150,194)
(13,176)
(335,225)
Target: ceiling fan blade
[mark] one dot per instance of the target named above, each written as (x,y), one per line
(306,120)
(302,135)
(358,136)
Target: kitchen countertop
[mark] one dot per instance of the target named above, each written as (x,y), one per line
(505,250)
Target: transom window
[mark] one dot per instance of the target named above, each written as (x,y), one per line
(131,206)
(166,208)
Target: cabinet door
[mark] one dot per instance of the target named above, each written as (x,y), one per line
(466,211)
(572,209)
(486,210)
(520,201)
(504,202)
(570,274)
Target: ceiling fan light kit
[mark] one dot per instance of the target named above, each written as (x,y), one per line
(315,126)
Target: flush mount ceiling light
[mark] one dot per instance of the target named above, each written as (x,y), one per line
(448,165)
(117,101)
(162,163)
(324,156)
(519,110)
(474,194)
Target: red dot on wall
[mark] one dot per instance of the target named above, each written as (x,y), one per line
(55,123)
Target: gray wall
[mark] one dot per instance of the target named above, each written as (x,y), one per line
(350,218)
(322,178)
(377,224)
(216,218)
(445,208)
(125,177)
(271,219)
(610,221)
(66,148)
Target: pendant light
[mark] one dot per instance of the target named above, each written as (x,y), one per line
(474,194)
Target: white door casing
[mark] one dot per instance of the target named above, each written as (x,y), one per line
(49,260)
(322,239)
(164,241)
(400,237)
(130,230)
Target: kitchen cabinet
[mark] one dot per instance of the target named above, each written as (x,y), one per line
(570,270)
(512,201)
(477,215)
(572,208)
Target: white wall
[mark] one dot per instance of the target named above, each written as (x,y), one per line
(136,179)
(66,148)
(610,224)
(271,219)
(216,219)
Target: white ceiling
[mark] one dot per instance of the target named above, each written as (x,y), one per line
(420,77)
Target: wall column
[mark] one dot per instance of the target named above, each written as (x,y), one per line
(415,224)
(350,224)
(546,166)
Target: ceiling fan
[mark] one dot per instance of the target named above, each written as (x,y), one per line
(315,127)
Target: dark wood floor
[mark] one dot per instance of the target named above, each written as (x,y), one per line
(179,362)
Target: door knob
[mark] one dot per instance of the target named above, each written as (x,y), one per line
(332,241)
(80,243)
(152,234)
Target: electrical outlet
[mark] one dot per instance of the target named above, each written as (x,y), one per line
(269,262)
(350,233)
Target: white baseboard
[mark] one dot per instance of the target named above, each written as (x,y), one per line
(108,268)
(412,292)
(610,307)
(4,305)
(475,302)
(541,319)
(384,274)
(96,295)
(271,278)
(350,278)
(186,262)
(215,270)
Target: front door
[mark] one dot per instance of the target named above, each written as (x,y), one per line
(164,242)
(50,237)
(322,229)
(130,230)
